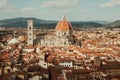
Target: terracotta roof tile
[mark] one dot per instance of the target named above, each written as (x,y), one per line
(63,25)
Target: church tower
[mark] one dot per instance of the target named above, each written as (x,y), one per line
(30,32)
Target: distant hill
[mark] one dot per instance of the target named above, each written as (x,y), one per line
(80,24)
(22,22)
(115,24)
(101,22)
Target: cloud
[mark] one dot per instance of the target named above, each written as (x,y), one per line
(111,3)
(60,3)
(3,3)
(62,6)
(28,9)
(6,7)
(82,11)
(64,11)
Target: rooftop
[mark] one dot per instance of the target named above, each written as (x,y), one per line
(63,25)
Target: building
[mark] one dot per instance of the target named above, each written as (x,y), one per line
(61,37)
(30,32)
(66,63)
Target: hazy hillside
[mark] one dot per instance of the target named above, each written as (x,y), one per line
(101,22)
(115,24)
(85,24)
(22,22)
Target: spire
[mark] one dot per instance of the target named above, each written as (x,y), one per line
(64,17)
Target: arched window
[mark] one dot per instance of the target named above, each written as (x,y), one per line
(29,27)
(64,33)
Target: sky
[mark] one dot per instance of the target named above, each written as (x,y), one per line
(74,10)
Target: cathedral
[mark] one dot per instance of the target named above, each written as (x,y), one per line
(61,37)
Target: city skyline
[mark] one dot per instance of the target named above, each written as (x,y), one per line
(75,10)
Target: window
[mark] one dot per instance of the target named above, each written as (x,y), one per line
(64,33)
(64,42)
(29,27)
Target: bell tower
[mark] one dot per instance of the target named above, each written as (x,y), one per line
(30,32)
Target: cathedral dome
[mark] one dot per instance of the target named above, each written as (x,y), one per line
(63,25)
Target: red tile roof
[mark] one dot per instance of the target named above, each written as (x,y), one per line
(63,25)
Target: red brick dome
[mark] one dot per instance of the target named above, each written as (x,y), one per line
(63,25)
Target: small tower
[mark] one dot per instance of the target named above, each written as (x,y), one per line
(30,32)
